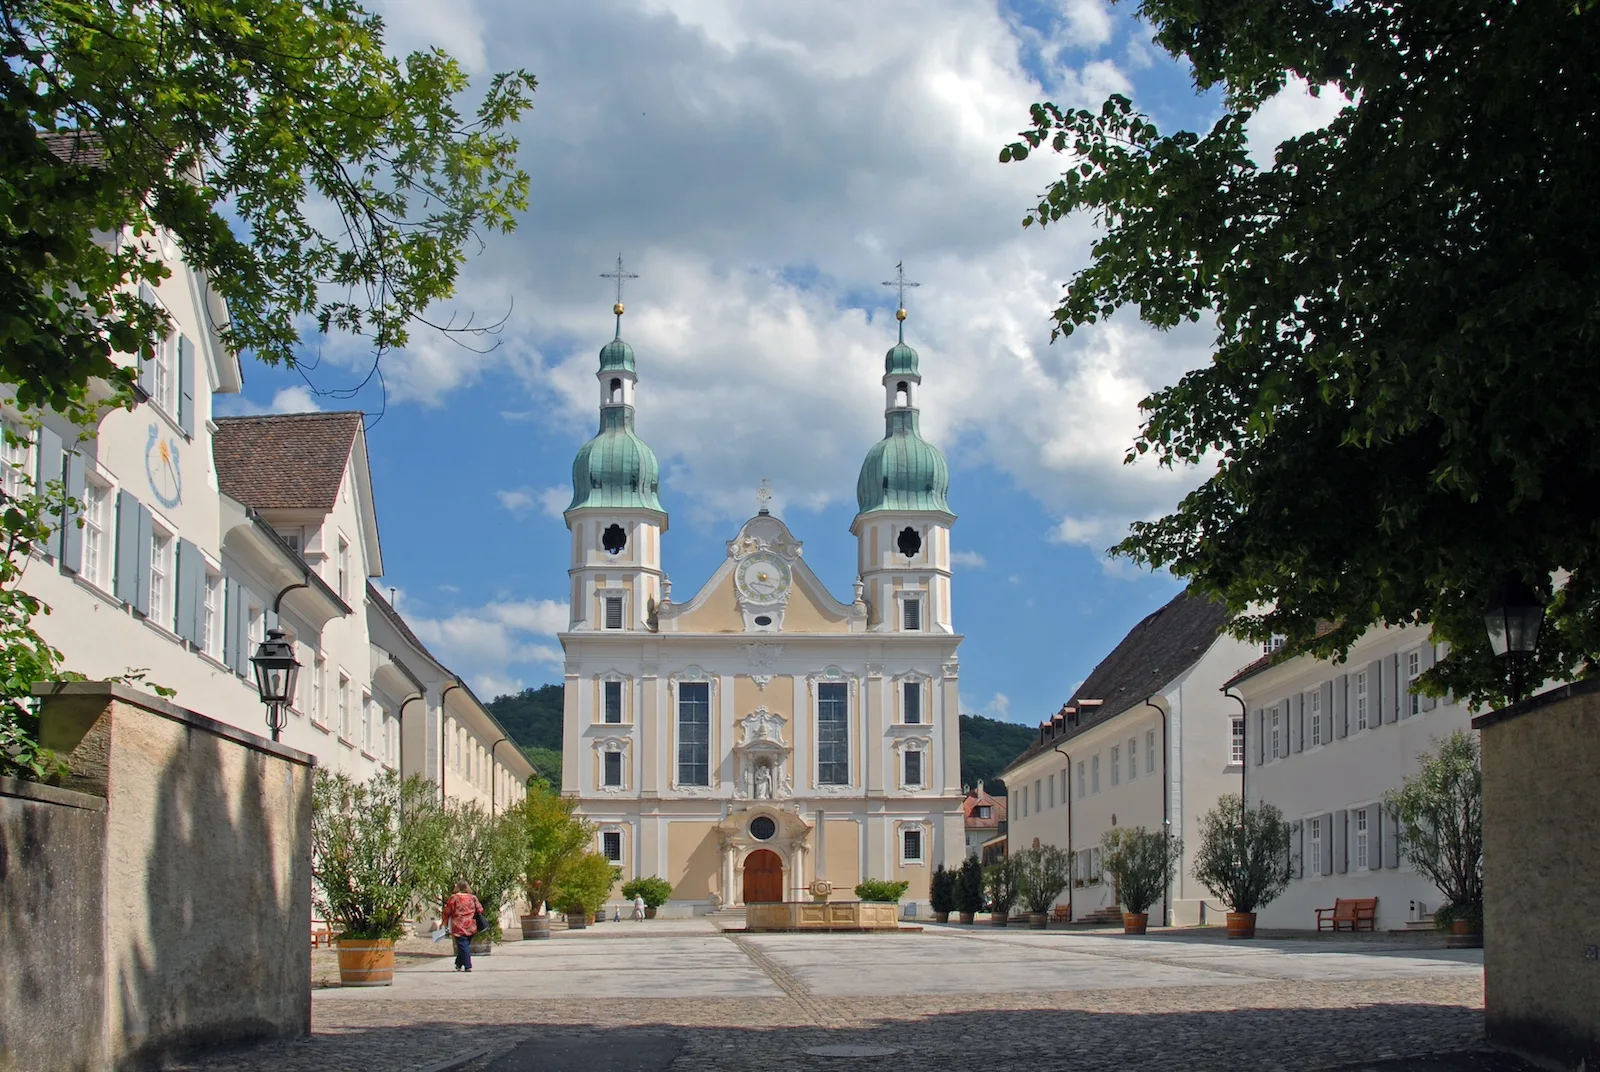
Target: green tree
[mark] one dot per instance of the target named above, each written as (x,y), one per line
(585,883)
(987,747)
(1042,873)
(1400,399)
(942,888)
(489,853)
(1002,880)
(655,890)
(1244,855)
(969,886)
(1440,809)
(238,128)
(373,845)
(1141,863)
(554,839)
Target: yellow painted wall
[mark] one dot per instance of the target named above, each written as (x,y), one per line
(718,614)
(844,853)
(692,859)
(803,615)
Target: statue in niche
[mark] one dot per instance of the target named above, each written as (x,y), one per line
(763,782)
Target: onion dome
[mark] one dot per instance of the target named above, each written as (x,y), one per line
(902,471)
(616,469)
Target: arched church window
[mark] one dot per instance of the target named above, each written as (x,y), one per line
(910,541)
(616,390)
(614,539)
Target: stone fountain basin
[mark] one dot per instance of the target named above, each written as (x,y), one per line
(822,916)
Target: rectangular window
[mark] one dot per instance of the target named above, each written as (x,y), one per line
(344,707)
(1149,751)
(983,811)
(1037,794)
(1094,774)
(611,841)
(913,761)
(911,845)
(1273,721)
(614,769)
(833,733)
(257,630)
(1273,645)
(161,604)
(211,616)
(366,722)
(1050,790)
(344,568)
(16,459)
(1116,764)
(1361,700)
(1094,867)
(163,381)
(694,733)
(911,615)
(1237,753)
(1314,838)
(1413,669)
(912,692)
(1081,782)
(1314,707)
(96,534)
(613,612)
(319,672)
(1024,801)
(1361,839)
(613,711)
(1133,758)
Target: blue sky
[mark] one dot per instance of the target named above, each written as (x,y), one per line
(763,167)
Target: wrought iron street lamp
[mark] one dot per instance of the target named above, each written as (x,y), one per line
(1513,619)
(276,672)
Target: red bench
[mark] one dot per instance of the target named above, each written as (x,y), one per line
(1349,914)
(321,934)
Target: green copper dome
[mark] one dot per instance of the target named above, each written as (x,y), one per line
(901,360)
(616,469)
(903,471)
(616,355)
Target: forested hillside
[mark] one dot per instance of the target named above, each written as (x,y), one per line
(533,719)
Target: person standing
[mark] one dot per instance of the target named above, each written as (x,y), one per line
(638,907)
(461,913)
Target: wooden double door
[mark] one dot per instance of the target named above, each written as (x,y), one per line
(763,877)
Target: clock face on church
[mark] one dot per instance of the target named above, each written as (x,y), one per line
(762,578)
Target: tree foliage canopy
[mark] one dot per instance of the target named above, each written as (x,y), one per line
(1402,394)
(316,178)
(1440,809)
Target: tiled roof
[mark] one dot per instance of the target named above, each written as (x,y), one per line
(291,461)
(979,796)
(1154,652)
(399,623)
(76,147)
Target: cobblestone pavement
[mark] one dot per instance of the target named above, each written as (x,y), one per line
(950,999)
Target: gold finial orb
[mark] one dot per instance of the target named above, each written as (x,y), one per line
(899,314)
(617,308)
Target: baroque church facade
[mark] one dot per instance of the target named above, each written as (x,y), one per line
(759,736)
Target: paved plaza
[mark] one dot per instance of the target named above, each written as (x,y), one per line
(687,996)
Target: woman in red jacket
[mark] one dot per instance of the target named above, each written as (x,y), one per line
(461,912)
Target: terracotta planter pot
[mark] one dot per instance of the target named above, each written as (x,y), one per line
(1241,924)
(535,928)
(1135,922)
(967,917)
(941,917)
(1038,921)
(366,962)
(999,919)
(649,913)
(1464,935)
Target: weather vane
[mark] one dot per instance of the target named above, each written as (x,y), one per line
(764,496)
(619,275)
(900,285)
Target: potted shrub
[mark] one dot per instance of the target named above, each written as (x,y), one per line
(553,840)
(370,845)
(942,892)
(1042,873)
(1440,813)
(1141,864)
(655,891)
(583,886)
(1000,881)
(1243,859)
(877,889)
(486,852)
(969,889)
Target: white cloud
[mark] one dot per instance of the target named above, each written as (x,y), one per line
(488,643)
(998,707)
(296,398)
(518,500)
(551,501)
(1293,111)
(968,560)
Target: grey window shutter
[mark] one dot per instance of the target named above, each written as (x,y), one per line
(1392,693)
(1261,736)
(1391,838)
(47,466)
(186,385)
(71,530)
(146,376)
(242,630)
(1375,694)
(230,624)
(1327,711)
(1341,715)
(1374,837)
(127,582)
(1298,847)
(1341,859)
(1327,843)
(141,594)
(184,596)
(1297,728)
(1428,702)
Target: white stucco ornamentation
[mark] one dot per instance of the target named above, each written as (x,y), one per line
(764,656)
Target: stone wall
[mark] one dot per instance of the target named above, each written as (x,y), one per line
(202,903)
(1541,853)
(52,927)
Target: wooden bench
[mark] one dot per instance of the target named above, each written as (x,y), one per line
(321,934)
(1349,914)
(1061,914)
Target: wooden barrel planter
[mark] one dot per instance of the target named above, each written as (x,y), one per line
(941,917)
(649,912)
(535,928)
(1464,935)
(1135,922)
(968,917)
(1038,921)
(999,919)
(366,962)
(481,945)
(577,921)
(1241,924)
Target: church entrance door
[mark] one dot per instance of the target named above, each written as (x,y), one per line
(763,877)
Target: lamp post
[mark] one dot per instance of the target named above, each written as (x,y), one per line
(1513,619)
(276,672)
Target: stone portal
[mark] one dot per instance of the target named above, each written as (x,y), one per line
(763,877)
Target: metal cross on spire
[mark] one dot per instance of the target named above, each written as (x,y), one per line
(619,275)
(900,284)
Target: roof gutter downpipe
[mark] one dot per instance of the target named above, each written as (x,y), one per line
(1166,812)
(1244,740)
(1072,892)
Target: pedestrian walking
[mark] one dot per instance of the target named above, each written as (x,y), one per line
(638,907)
(461,914)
